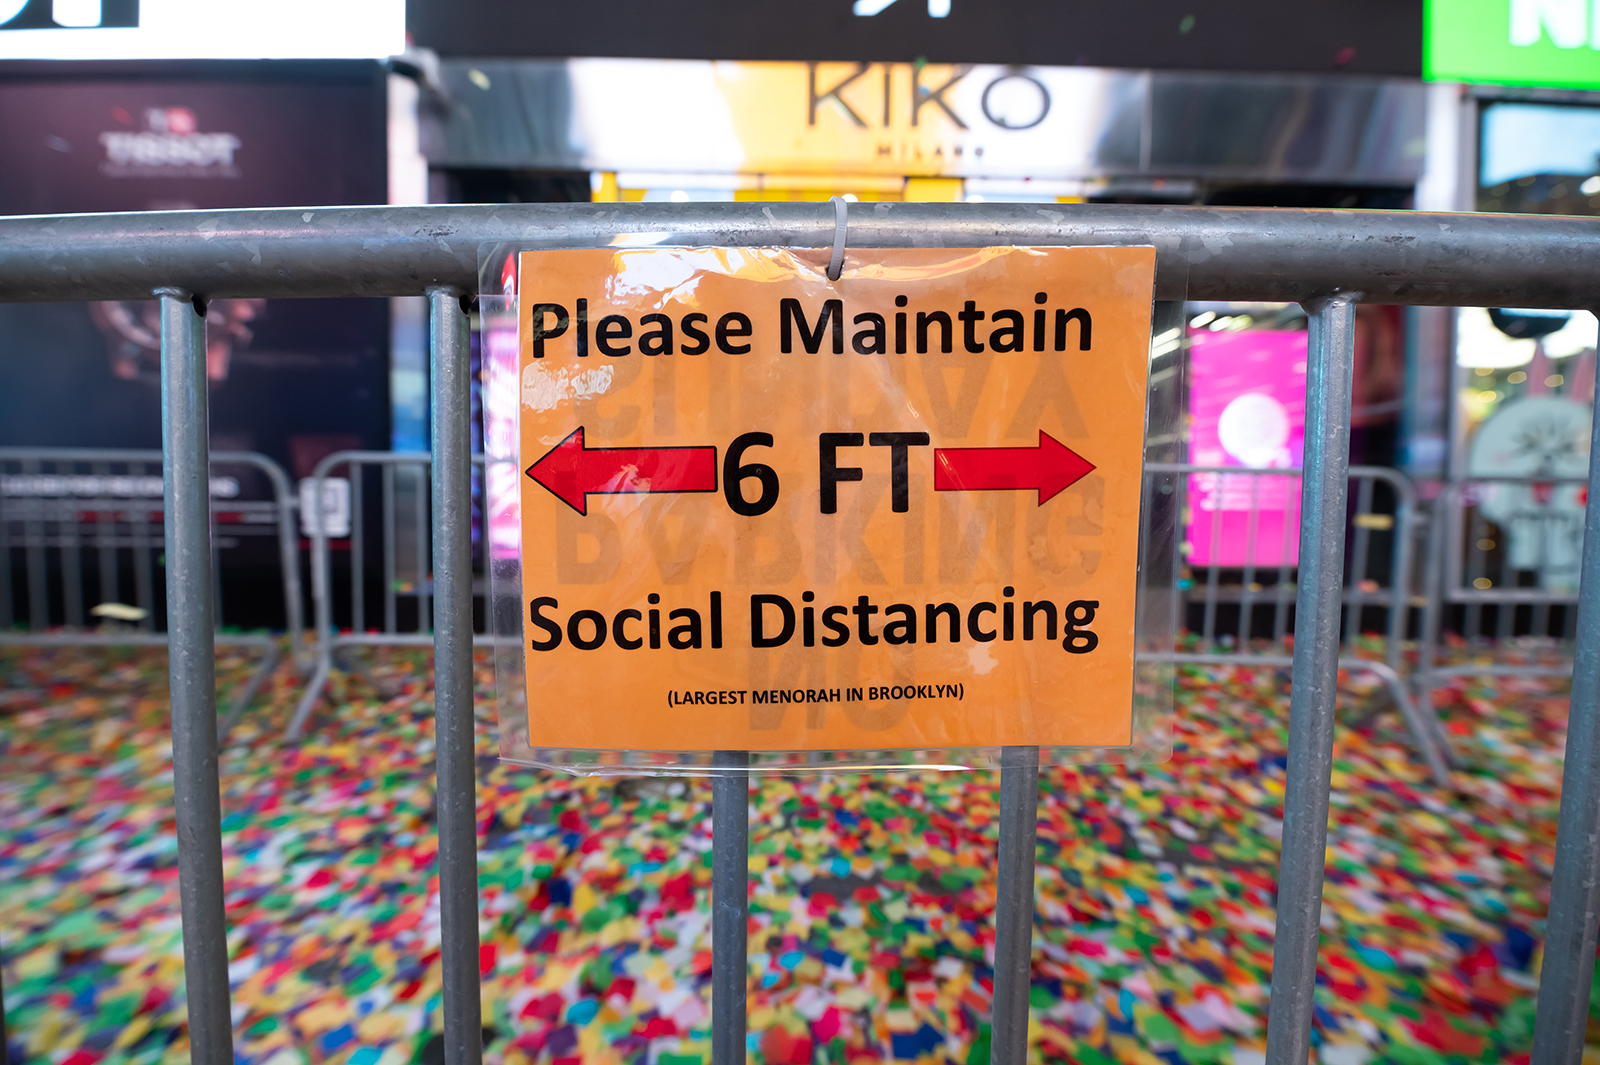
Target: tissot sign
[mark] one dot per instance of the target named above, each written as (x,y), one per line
(201,29)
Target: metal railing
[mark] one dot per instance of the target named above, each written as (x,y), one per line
(1504,556)
(87,526)
(402,550)
(1250,576)
(1326,260)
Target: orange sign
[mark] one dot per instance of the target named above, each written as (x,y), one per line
(765,511)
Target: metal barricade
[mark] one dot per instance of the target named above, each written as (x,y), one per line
(1326,260)
(86,525)
(1237,588)
(1504,556)
(403,551)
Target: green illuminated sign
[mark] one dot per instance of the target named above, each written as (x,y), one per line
(1513,42)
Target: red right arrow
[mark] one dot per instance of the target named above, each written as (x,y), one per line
(1050,467)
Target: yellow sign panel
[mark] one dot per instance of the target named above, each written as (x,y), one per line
(765,511)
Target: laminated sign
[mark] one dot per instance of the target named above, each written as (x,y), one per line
(766,511)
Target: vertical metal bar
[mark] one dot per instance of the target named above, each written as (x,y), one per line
(1181,486)
(1013,912)
(1472,623)
(71,563)
(1568,973)
(424,553)
(321,606)
(1247,595)
(144,591)
(1323,494)
(358,558)
(216,565)
(455,754)
(730,899)
(1358,562)
(289,559)
(33,551)
(1434,596)
(1280,605)
(7,612)
(390,623)
(191,658)
(1400,579)
(1208,628)
(105,540)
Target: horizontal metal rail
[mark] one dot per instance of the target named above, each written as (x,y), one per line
(1208,253)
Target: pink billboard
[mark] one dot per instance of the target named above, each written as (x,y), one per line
(1247,405)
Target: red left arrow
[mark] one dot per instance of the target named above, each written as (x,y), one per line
(1050,467)
(573,472)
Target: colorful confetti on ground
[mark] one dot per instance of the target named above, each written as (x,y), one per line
(872,896)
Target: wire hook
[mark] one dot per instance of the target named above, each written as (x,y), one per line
(840,209)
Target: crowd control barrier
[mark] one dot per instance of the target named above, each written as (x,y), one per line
(400,482)
(1325,260)
(83,530)
(1238,592)
(1504,556)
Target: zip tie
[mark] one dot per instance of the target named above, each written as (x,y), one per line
(840,207)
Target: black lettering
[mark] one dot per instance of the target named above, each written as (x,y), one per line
(758,634)
(658,341)
(1079,616)
(619,635)
(841,631)
(970,317)
(1038,322)
(687,635)
(613,327)
(1008,613)
(921,95)
(539,333)
(716,620)
(828,445)
(939,318)
(1048,609)
(899,326)
(864,610)
(595,618)
(869,341)
(583,329)
(951,611)
(695,341)
(833,94)
(902,631)
(655,623)
(1012,334)
(1079,315)
(792,317)
(733,325)
(899,465)
(808,620)
(735,471)
(536,615)
(976,633)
